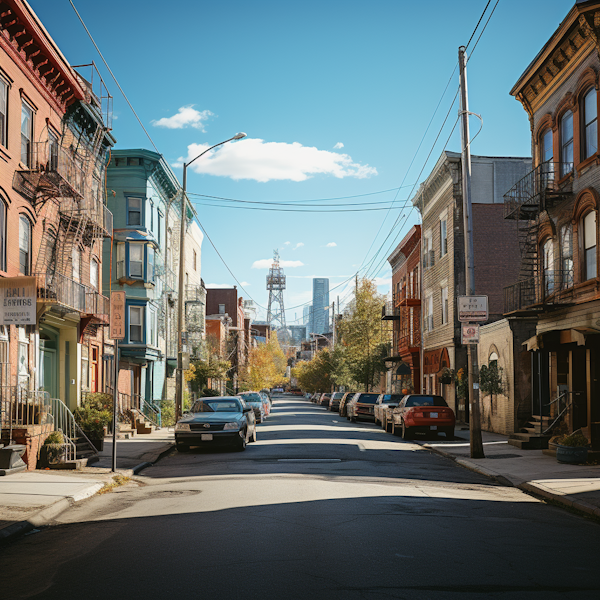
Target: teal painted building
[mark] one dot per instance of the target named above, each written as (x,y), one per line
(143,195)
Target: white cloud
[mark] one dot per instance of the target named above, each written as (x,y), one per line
(268,161)
(266,263)
(382,281)
(298,245)
(218,285)
(287,243)
(187,116)
(245,283)
(339,146)
(331,245)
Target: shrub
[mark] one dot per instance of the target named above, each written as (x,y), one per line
(56,437)
(574,440)
(94,414)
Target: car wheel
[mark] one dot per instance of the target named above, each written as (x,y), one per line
(182,447)
(353,419)
(393,428)
(242,443)
(406,432)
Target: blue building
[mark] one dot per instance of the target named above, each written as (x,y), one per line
(320,306)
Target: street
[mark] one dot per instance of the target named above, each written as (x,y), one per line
(317,507)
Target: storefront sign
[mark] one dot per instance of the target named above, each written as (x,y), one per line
(117,315)
(472,308)
(469,333)
(17,300)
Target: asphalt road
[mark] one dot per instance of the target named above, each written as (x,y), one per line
(317,508)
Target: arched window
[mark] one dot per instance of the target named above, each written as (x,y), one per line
(566,143)
(24,245)
(566,255)
(548,258)
(589,141)
(547,148)
(589,245)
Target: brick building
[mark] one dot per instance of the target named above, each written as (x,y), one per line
(555,208)
(55,125)
(405,312)
(439,200)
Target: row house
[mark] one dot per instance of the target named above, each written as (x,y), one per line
(440,203)
(555,209)
(404,310)
(55,136)
(145,197)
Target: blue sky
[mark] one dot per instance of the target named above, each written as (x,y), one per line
(303,79)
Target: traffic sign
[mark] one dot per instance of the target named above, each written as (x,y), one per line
(472,308)
(469,333)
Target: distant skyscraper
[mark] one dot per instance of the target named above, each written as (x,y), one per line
(320,306)
(306,319)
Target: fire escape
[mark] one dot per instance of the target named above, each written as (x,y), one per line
(539,286)
(64,183)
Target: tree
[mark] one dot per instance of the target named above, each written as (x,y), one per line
(315,375)
(265,367)
(364,336)
(213,366)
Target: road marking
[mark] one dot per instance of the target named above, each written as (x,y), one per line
(309,460)
(335,421)
(361,447)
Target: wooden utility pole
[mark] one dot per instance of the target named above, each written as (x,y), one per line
(472,393)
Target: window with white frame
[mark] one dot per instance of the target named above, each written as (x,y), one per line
(121,261)
(445,305)
(150,263)
(94,274)
(428,253)
(566,254)
(136,324)
(24,245)
(443,236)
(134,211)
(136,261)
(26,133)
(429,313)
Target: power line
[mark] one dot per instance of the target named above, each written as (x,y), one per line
(478,23)
(324,210)
(484,27)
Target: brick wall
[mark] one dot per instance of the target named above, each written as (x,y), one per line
(228,297)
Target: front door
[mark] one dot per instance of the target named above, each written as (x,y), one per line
(95,372)
(48,378)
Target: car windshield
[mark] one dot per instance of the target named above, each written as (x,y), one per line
(252,397)
(426,401)
(337,395)
(368,398)
(392,398)
(228,405)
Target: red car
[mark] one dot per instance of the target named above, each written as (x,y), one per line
(422,413)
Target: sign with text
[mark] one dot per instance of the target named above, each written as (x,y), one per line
(469,333)
(17,300)
(117,315)
(472,308)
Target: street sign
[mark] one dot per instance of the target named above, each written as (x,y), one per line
(17,300)
(469,333)
(117,315)
(472,308)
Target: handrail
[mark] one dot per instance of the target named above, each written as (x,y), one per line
(561,412)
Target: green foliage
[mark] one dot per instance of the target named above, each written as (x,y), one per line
(574,440)
(490,379)
(94,414)
(265,367)
(462,384)
(167,413)
(315,375)
(206,392)
(56,437)
(447,376)
(213,367)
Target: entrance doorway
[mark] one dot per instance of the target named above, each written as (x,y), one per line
(48,377)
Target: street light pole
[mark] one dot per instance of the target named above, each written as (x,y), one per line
(181,287)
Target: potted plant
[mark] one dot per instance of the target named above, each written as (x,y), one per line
(94,414)
(447,376)
(572,448)
(53,451)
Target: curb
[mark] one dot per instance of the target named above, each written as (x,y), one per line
(149,463)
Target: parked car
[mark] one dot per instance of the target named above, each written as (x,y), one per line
(423,413)
(268,394)
(362,407)
(334,402)
(384,402)
(315,397)
(266,403)
(346,398)
(296,392)
(324,400)
(255,401)
(217,420)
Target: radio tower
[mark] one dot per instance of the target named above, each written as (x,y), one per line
(276,285)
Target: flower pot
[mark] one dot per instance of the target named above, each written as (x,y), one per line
(98,443)
(52,454)
(571,455)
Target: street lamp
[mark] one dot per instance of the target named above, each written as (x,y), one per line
(179,373)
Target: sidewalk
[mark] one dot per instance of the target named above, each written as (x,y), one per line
(32,499)
(576,486)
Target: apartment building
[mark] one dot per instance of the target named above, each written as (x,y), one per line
(496,256)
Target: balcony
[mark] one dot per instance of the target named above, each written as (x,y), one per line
(554,289)
(54,172)
(409,332)
(195,293)
(98,214)
(407,298)
(548,184)
(389,312)
(97,306)
(62,291)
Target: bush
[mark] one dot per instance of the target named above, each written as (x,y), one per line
(56,437)
(206,392)
(167,412)
(94,414)
(574,440)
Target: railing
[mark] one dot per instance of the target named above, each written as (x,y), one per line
(410,328)
(96,304)
(553,287)
(389,311)
(54,287)
(527,197)
(64,421)
(134,403)
(195,293)
(58,167)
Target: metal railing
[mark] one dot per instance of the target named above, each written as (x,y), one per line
(527,197)
(57,288)
(134,403)
(195,293)
(390,311)
(552,287)
(96,304)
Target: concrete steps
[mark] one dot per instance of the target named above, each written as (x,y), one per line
(530,437)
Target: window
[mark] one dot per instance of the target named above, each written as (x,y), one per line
(547,148)
(2,235)
(24,245)
(548,259)
(94,273)
(76,262)
(152,329)
(566,143)
(150,263)
(151,216)
(566,255)
(445,305)
(428,253)
(3,112)
(195,267)
(136,261)
(221,309)
(120,261)
(52,150)
(589,144)
(134,211)
(158,236)
(26,133)
(429,314)
(589,246)
(136,320)
(443,237)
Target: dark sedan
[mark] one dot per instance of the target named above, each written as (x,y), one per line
(221,420)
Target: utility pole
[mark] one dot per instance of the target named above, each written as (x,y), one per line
(476,442)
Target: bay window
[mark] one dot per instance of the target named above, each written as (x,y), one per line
(136,261)
(134,211)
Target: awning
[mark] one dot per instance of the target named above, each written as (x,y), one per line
(534,343)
